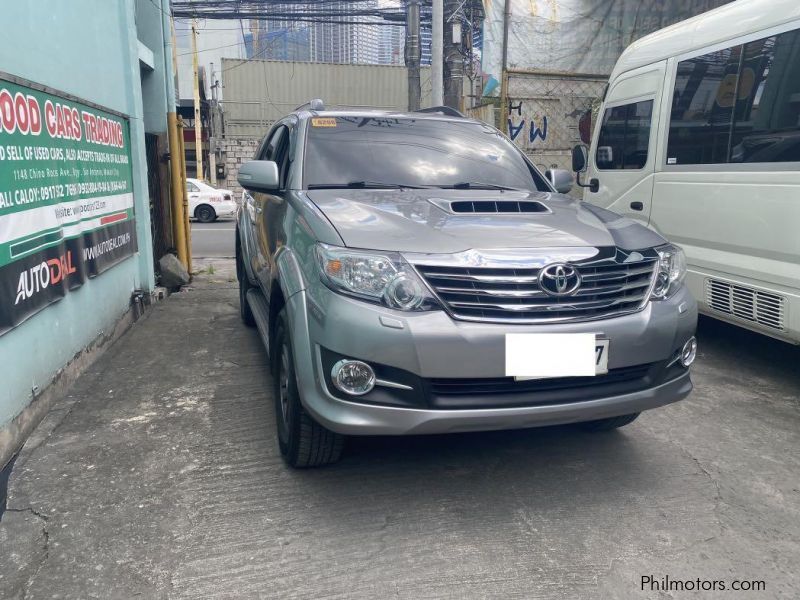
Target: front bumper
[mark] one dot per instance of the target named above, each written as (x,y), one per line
(432,345)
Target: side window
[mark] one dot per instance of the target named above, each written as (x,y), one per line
(281,155)
(767,115)
(741,104)
(702,108)
(624,136)
(192,187)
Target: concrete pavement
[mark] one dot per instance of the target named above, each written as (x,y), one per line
(158,476)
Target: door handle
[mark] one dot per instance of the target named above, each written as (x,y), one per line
(637,206)
(258,210)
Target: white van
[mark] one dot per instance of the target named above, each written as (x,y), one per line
(699,137)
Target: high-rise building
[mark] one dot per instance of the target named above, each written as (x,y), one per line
(425,33)
(347,43)
(391,44)
(279,39)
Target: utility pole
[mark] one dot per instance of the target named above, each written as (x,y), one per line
(504,70)
(198,125)
(412,53)
(437,60)
(212,133)
(453,60)
(181,235)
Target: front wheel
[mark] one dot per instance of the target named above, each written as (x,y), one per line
(609,424)
(205,214)
(303,442)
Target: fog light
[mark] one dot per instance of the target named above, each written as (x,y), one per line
(689,352)
(353,377)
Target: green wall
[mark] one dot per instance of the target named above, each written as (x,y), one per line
(87,48)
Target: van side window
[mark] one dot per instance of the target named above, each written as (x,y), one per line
(624,136)
(741,104)
(767,115)
(702,106)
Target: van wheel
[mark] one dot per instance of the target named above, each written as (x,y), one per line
(610,423)
(205,214)
(303,441)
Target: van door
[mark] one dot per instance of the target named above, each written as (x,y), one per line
(623,155)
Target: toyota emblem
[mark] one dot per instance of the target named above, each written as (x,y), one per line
(559,279)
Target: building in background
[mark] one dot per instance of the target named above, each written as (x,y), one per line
(279,39)
(391,44)
(215,39)
(347,43)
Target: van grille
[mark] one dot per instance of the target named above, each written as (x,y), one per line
(608,288)
(745,303)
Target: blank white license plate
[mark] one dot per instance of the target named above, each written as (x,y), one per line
(539,355)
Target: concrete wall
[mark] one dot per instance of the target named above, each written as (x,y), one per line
(236,151)
(88,48)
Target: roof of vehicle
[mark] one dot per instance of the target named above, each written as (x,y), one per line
(375,112)
(712,27)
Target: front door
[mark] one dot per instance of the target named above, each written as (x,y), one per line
(623,155)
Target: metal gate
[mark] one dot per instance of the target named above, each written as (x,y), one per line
(160,209)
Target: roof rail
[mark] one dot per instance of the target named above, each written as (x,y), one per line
(315,104)
(445,110)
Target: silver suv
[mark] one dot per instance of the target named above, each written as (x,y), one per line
(414,273)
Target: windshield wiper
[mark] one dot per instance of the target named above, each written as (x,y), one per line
(365,184)
(477,185)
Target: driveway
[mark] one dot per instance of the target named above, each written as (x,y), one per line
(159,477)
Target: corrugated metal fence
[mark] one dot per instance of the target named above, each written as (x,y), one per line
(257,92)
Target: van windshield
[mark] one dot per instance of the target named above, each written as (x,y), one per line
(379,152)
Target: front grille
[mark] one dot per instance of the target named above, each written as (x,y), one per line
(745,303)
(607,288)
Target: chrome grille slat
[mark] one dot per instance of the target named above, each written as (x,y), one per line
(616,274)
(446,291)
(568,303)
(608,288)
(485,278)
(449,293)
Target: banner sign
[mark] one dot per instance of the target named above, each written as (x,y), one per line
(66,198)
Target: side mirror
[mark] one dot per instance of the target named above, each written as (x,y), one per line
(561,180)
(580,158)
(259,175)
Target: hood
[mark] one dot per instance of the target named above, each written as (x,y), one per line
(421,221)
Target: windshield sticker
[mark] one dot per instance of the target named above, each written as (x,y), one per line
(323,122)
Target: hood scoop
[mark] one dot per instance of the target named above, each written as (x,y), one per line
(490,207)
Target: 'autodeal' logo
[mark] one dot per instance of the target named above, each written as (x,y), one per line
(38,277)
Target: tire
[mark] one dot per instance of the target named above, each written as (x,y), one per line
(245,312)
(205,214)
(303,442)
(609,424)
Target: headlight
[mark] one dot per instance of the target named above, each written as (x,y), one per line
(381,277)
(671,272)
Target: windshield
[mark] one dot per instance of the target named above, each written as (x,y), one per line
(378,151)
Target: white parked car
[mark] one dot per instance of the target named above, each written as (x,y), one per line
(206,203)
